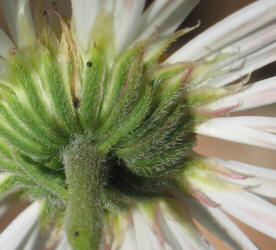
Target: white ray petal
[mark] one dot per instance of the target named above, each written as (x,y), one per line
(127,21)
(255,41)
(5,44)
(155,8)
(251,170)
(246,65)
(20,228)
(108,5)
(63,244)
(251,43)
(228,129)
(84,14)
(219,224)
(267,124)
(250,96)
(36,240)
(165,16)
(261,180)
(129,240)
(180,231)
(248,208)
(145,237)
(234,27)
(20,22)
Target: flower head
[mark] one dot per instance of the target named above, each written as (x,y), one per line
(98,125)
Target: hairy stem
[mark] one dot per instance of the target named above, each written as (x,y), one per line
(85,178)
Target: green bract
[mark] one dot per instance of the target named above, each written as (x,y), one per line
(95,128)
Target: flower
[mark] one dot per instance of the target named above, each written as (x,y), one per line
(98,125)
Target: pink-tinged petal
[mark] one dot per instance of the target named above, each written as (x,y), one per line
(84,14)
(146,239)
(250,96)
(259,179)
(248,208)
(202,198)
(219,224)
(229,129)
(164,17)
(127,16)
(235,200)
(5,45)
(179,229)
(18,232)
(20,22)
(232,28)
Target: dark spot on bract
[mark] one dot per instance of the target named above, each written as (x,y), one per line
(76,233)
(66,186)
(89,64)
(76,103)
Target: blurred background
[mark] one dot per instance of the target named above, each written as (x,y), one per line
(209,12)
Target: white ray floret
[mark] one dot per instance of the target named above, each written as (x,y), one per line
(20,229)
(127,15)
(255,41)
(145,237)
(232,28)
(164,17)
(219,224)
(180,231)
(248,45)
(262,123)
(20,22)
(232,129)
(248,208)
(84,15)
(63,244)
(36,240)
(129,241)
(236,200)
(250,96)
(258,179)
(245,66)
(108,5)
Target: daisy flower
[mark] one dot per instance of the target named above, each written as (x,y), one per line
(98,125)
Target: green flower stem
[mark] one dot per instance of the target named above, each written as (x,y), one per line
(85,178)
